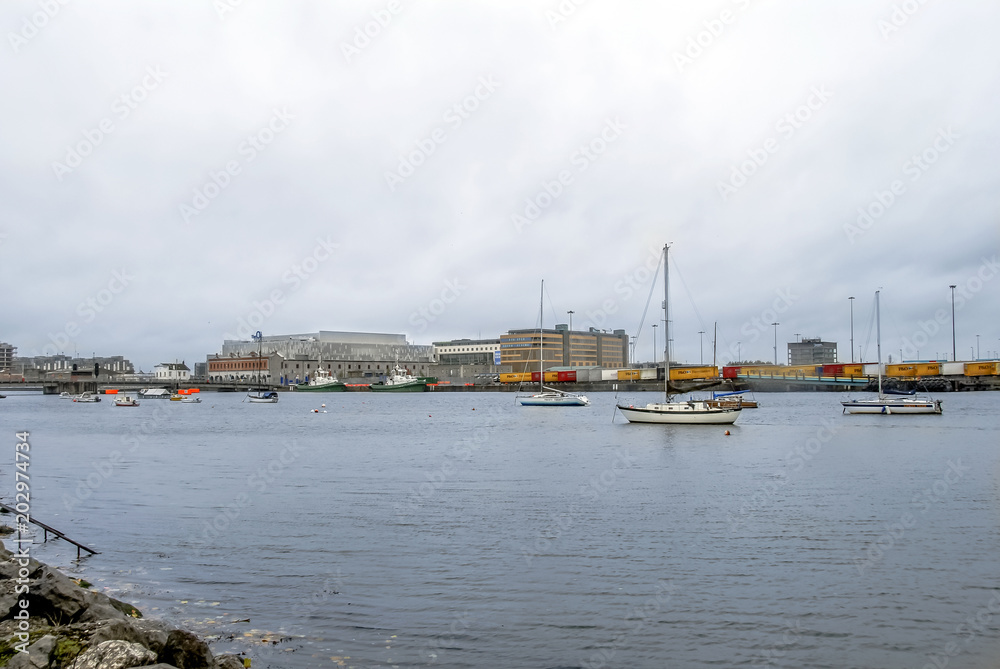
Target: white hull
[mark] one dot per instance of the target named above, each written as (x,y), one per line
(680,413)
(262,400)
(893,406)
(192,400)
(553,400)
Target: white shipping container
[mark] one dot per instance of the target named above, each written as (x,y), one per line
(609,375)
(871,369)
(956,368)
(647,374)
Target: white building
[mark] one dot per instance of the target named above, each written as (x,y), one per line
(171,371)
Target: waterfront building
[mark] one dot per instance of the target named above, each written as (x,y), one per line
(110,364)
(288,359)
(172,371)
(6,356)
(520,349)
(466,351)
(812,352)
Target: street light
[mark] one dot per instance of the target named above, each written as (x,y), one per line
(701,347)
(654,344)
(954,356)
(852,328)
(776,342)
(977,347)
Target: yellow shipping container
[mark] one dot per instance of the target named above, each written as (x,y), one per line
(514,378)
(693,373)
(628,374)
(854,370)
(900,371)
(980,368)
(928,368)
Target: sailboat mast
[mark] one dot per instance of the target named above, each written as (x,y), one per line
(878,342)
(666,323)
(541,339)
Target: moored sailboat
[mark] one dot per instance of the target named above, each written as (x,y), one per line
(548,397)
(691,412)
(890,402)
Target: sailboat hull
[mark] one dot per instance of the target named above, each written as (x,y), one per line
(893,406)
(553,400)
(680,413)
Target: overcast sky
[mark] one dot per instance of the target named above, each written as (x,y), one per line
(173,173)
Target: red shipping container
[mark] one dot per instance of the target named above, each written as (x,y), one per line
(730,372)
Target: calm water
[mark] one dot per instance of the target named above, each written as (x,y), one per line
(460,530)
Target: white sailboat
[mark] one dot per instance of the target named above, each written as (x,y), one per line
(548,397)
(691,412)
(260,395)
(889,402)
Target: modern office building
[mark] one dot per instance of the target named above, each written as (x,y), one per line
(466,351)
(812,352)
(520,349)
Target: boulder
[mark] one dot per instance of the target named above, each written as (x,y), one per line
(37,656)
(184,650)
(114,654)
(229,662)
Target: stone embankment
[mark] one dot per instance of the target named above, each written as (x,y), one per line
(56,623)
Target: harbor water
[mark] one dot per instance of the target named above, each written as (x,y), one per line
(461,530)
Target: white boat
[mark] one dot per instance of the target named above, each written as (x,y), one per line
(890,402)
(87,397)
(192,399)
(126,401)
(691,412)
(548,397)
(67,396)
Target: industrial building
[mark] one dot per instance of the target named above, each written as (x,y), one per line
(293,358)
(466,351)
(520,349)
(6,356)
(812,352)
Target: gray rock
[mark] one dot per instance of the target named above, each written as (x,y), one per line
(184,650)
(56,597)
(229,662)
(114,654)
(37,656)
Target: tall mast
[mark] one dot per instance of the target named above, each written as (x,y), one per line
(666,323)
(878,340)
(541,339)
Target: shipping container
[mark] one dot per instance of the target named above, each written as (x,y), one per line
(980,368)
(565,376)
(628,374)
(953,368)
(514,378)
(609,375)
(871,369)
(693,373)
(730,372)
(928,368)
(648,374)
(833,370)
(904,371)
(854,370)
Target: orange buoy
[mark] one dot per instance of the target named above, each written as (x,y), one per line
(727,433)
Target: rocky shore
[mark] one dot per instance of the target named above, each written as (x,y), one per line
(57,623)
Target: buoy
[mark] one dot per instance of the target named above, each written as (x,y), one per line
(727,433)
(323,405)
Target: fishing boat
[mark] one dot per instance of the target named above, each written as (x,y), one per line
(323,381)
(126,401)
(260,395)
(548,397)
(889,401)
(401,381)
(87,398)
(691,412)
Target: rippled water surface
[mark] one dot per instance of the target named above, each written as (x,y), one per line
(460,530)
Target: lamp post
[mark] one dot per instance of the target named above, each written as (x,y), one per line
(954,357)
(570,312)
(701,347)
(977,347)
(654,344)
(775,324)
(739,351)
(852,328)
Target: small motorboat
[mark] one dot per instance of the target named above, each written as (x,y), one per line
(126,401)
(87,397)
(67,396)
(191,399)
